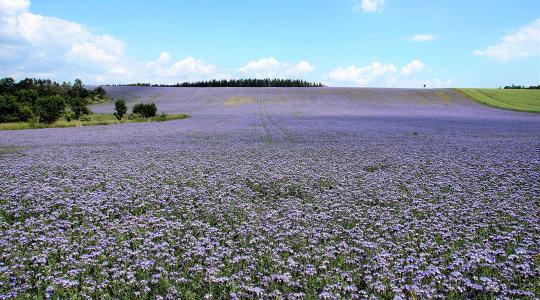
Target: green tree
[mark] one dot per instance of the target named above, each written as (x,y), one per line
(49,109)
(77,89)
(151,110)
(7,85)
(78,106)
(9,109)
(120,108)
(27,97)
(146,110)
(100,92)
(26,84)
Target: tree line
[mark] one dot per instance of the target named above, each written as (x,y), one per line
(520,87)
(267,82)
(43,100)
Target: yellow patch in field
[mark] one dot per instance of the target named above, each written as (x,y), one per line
(443,95)
(156,96)
(237,101)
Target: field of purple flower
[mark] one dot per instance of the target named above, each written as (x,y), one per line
(276,194)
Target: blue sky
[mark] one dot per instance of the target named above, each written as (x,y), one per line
(392,43)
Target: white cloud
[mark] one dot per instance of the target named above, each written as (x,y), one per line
(119,71)
(303,67)
(188,69)
(362,75)
(264,67)
(423,37)
(375,73)
(192,67)
(13,6)
(412,67)
(522,44)
(272,68)
(369,6)
(99,49)
(36,30)
(164,57)
(41,46)
(34,45)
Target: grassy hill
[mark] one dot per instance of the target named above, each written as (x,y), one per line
(520,100)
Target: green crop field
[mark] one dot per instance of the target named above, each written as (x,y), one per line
(513,99)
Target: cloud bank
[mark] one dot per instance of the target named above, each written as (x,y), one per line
(272,68)
(374,73)
(33,45)
(524,43)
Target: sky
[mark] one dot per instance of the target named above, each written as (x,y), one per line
(373,43)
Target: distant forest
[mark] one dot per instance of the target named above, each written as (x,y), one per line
(520,87)
(237,83)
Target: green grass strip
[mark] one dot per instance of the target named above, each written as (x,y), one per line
(512,99)
(95,119)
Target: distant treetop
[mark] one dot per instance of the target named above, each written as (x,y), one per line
(237,83)
(519,87)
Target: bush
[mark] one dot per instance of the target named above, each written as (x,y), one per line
(146,110)
(49,109)
(151,110)
(69,115)
(85,118)
(78,106)
(25,112)
(100,92)
(120,108)
(138,108)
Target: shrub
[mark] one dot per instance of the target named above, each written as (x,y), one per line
(151,110)
(49,109)
(85,118)
(25,112)
(137,108)
(78,106)
(100,92)
(120,108)
(69,115)
(146,110)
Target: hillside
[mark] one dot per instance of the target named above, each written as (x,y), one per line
(299,102)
